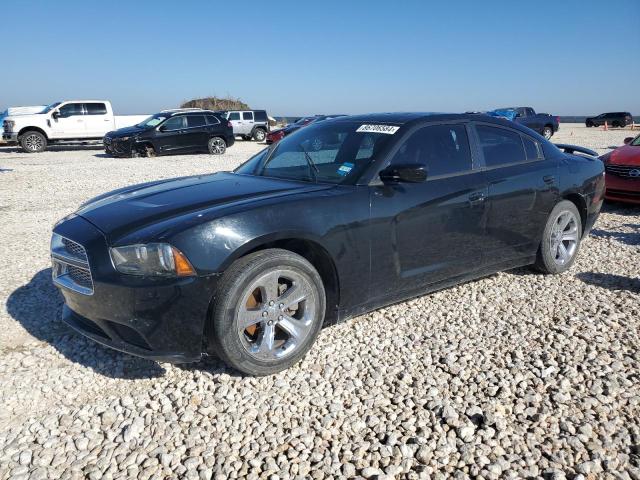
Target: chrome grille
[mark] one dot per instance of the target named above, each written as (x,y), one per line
(626,171)
(70,265)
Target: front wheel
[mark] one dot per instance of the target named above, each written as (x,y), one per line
(269,308)
(560,240)
(547,132)
(33,142)
(589,124)
(217,146)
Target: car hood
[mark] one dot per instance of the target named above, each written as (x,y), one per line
(125,131)
(625,155)
(127,210)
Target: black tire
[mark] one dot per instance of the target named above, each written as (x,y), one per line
(547,132)
(33,142)
(616,124)
(589,124)
(228,302)
(546,260)
(217,146)
(259,134)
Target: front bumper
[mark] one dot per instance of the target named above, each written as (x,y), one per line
(10,137)
(622,189)
(117,147)
(158,318)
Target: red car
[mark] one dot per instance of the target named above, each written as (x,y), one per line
(622,167)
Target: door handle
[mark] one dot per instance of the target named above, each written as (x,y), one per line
(476,198)
(549,179)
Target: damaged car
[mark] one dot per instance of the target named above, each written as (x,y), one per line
(172,132)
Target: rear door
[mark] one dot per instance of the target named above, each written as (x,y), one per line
(523,189)
(171,135)
(69,122)
(97,119)
(196,135)
(423,233)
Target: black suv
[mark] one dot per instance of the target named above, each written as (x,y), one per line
(613,119)
(172,131)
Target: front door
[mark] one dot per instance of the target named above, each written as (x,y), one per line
(424,233)
(523,189)
(236,122)
(68,121)
(171,135)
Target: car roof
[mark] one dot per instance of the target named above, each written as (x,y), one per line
(402,118)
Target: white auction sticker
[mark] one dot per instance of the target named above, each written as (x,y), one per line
(388,129)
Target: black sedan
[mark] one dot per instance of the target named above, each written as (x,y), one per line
(172,132)
(250,264)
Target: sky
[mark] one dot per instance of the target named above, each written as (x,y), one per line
(566,57)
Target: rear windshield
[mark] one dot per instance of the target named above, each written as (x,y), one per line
(328,152)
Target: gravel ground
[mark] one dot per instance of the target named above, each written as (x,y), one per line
(513,376)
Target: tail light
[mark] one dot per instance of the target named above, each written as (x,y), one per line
(558,119)
(229,124)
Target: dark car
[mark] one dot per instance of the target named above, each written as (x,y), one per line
(277,135)
(543,123)
(612,119)
(172,132)
(250,264)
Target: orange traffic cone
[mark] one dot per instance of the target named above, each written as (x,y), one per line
(606,127)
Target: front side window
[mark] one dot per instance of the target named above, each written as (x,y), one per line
(323,153)
(71,109)
(95,108)
(194,121)
(444,149)
(234,116)
(247,116)
(500,146)
(174,123)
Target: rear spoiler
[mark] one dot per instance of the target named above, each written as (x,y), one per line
(571,149)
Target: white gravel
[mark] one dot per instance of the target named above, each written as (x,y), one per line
(517,375)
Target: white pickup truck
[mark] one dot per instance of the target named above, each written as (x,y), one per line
(72,120)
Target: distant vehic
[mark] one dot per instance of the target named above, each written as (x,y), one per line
(334,220)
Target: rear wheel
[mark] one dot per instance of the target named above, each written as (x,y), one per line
(217,146)
(33,142)
(269,308)
(560,240)
(259,135)
(547,132)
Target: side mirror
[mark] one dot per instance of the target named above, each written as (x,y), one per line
(162,128)
(56,114)
(628,140)
(411,173)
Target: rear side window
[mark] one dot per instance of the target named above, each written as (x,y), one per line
(71,109)
(531,148)
(96,108)
(174,123)
(195,121)
(247,115)
(500,146)
(212,120)
(260,116)
(234,116)
(444,149)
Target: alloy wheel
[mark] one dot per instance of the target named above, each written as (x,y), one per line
(33,143)
(217,146)
(276,314)
(563,239)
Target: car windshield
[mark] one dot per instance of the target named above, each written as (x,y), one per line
(327,152)
(636,141)
(51,107)
(152,121)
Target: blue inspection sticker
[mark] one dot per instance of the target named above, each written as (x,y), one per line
(345,168)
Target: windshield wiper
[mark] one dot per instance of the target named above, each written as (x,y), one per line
(313,168)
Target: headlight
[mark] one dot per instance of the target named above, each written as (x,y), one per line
(124,139)
(152,259)
(8,125)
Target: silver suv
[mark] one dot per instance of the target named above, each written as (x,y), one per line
(249,124)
